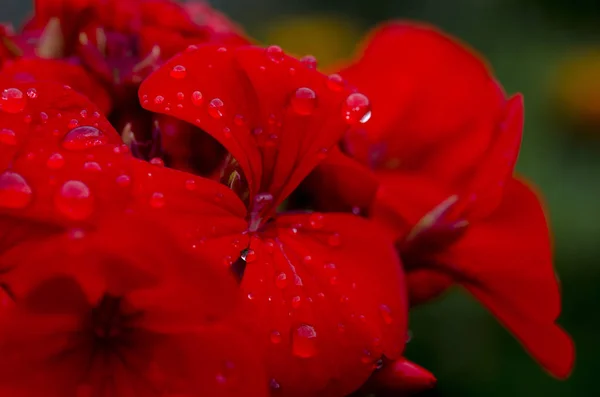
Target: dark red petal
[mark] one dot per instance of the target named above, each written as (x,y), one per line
(506,263)
(275,116)
(403,376)
(324,297)
(340,183)
(435,104)
(59,72)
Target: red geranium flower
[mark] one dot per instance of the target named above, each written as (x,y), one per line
(106,297)
(324,293)
(435,166)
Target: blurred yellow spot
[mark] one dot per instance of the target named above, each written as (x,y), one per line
(329,38)
(578,86)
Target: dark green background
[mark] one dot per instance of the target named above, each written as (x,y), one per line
(525,41)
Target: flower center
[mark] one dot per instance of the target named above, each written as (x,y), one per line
(108,322)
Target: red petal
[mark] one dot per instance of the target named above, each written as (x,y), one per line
(506,263)
(435,103)
(325,300)
(248,105)
(59,72)
(403,376)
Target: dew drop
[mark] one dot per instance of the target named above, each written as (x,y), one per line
(275,337)
(180,96)
(55,161)
(309,61)
(322,153)
(178,72)
(83,137)
(316,220)
(74,200)
(296,301)
(157,200)
(216,108)
(73,123)
(239,120)
(304,341)
(92,166)
(32,93)
(274,385)
(335,82)
(334,240)
(386,314)
(83,113)
(281,280)
(356,108)
(8,137)
(190,185)
(157,161)
(44,117)
(159,99)
(304,101)
(249,255)
(15,193)
(197,98)
(307,260)
(274,53)
(12,100)
(123,180)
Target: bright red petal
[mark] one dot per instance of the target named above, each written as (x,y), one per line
(435,103)
(506,263)
(274,115)
(322,305)
(59,72)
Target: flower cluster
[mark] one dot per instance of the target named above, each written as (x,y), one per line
(184,213)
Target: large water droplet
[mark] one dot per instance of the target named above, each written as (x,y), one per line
(335,82)
(74,200)
(8,137)
(309,61)
(55,161)
(274,53)
(197,98)
(275,337)
(12,100)
(304,343)
(216,108)
(15,193)
(178,72)
(123,180)
(83,137)
(92,166)
(157,200)
(356,108)
(304,101)
(281,280)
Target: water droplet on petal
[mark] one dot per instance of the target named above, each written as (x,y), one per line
(32,93)
(281,280)
(83,113)
(178,72)
(15,193)
(274,53)
(304,342)
(386,314)
(157,200)
(44,117)
(309,61)
(55,161)
(83,137)
(73,123)
(12,100)
(304,101)
(157,161)
(74,200)
(216,108)
(274,385)
(275,337)
(335,82)
(197,98)
(8,137)
(249,255)
(239,120)
(296,301)
(334,240)
(316,220)
(123,180)
(356,108)
(190,185)
(159,99)
(92,166)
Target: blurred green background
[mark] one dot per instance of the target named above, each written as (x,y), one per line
(550,51)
